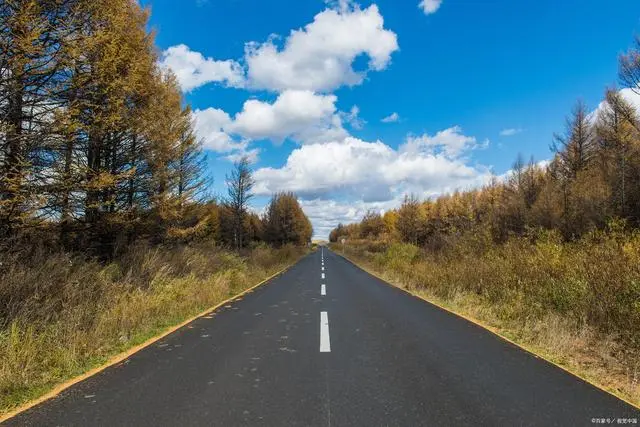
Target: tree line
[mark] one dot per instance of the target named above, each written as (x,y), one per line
(592,182)
(97,145)
(233,223)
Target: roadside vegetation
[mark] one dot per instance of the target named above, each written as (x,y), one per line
(109,232)
(548,255)
(68,315)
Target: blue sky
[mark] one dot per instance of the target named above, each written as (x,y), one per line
(303,88)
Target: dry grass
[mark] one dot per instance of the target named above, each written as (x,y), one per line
(62,316)
(576,304)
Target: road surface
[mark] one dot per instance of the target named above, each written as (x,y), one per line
(326,344)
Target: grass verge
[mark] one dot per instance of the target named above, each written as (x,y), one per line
(65,317)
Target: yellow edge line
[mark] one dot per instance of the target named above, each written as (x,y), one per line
(122,356)
(490,329)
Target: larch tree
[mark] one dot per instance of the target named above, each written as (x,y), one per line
(32,65)
(190,163)
(617,130)
(576,147)
(629,67)
(408,223)
(162,148)
(285,221)
(240,182)
(95,138)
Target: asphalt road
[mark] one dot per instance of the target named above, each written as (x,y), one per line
(376,357)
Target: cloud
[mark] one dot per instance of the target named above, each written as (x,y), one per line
(339,181)
(430,6)
(353,118)
(211,128)
(252,155)
(393,118)
(194,70)
(449,142)
(301,115)
(510,131)
(320,56)
(367,171)
(325,215)
(631,97)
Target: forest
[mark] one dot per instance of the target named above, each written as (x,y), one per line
(549,253)
(97,145)
(109,231)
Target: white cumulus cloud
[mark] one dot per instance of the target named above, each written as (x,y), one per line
(298,114)
(194,70)
(450,142)
(325,215)
(367,171)
(302,116)
(320,56)
(392,118)
(251,155)
(211,126)
(430,6)
(339,181)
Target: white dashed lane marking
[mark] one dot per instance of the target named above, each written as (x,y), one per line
(325,344)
